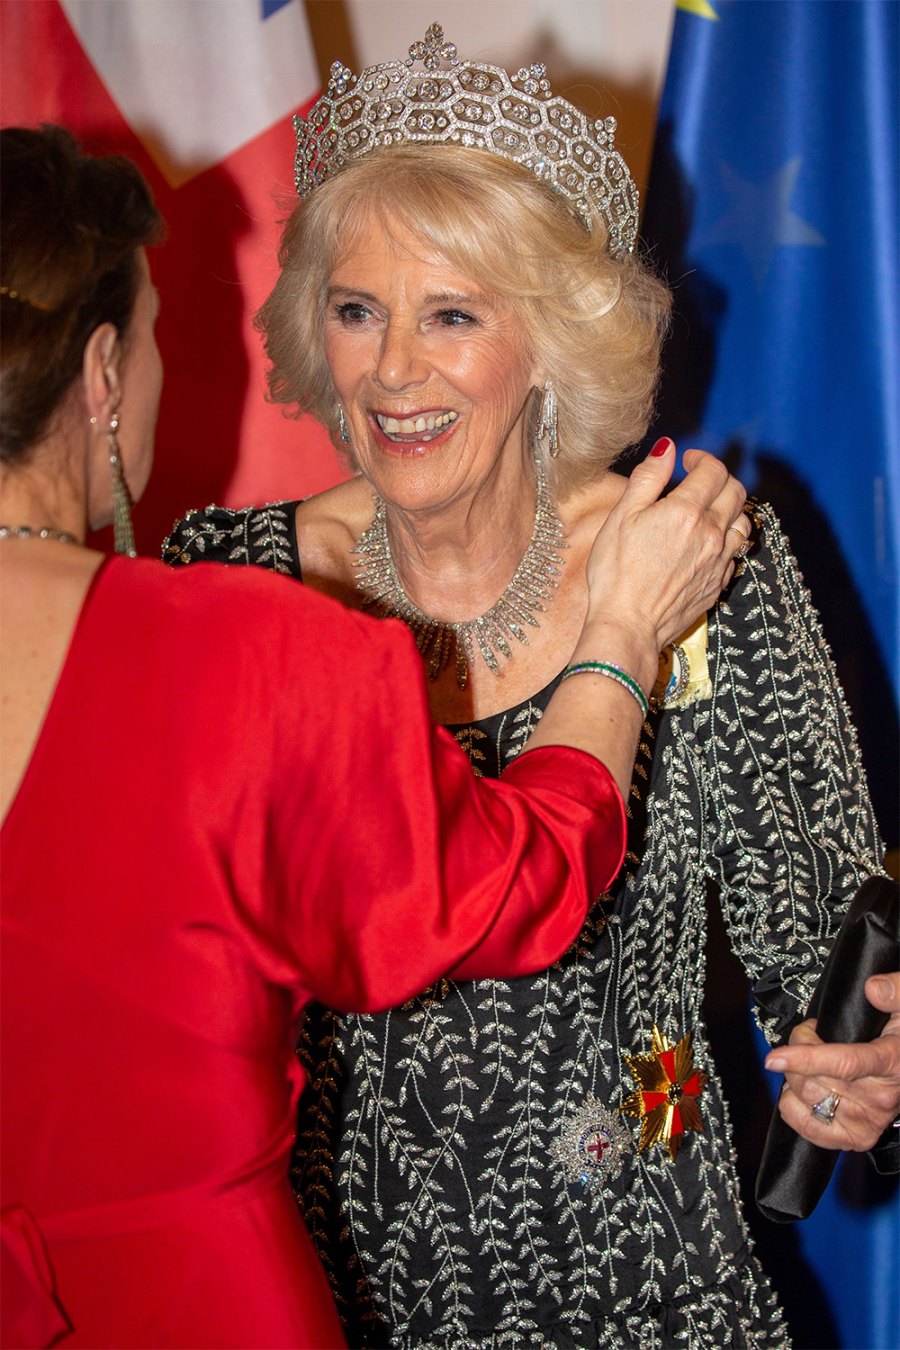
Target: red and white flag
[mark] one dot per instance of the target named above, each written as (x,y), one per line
(200,93)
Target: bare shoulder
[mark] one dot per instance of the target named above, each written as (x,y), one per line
(328,527)
(42,593)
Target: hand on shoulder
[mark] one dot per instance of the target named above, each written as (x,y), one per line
(662,558)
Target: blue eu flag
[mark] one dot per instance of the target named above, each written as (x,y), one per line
(773,210)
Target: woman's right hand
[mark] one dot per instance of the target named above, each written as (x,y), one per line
(659,563)
(655,567)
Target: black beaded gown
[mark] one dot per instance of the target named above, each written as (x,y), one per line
(469,1176)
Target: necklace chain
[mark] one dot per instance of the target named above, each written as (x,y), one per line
(36,532)
(526,596)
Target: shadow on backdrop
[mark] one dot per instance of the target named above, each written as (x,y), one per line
(599,92)
(700,304)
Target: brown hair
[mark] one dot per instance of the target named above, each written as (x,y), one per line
(594,321)
(71,226)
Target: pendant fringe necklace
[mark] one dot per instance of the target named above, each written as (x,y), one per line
(526,596)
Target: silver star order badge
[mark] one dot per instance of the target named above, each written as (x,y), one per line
(593,1144)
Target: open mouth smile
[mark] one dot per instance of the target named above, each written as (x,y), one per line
(416,430)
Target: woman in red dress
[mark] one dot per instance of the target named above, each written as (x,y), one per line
(213,814)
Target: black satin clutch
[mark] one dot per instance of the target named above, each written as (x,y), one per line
(793,1173)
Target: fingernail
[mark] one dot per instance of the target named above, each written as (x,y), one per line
(661,446)
(776,1063)
(883,988)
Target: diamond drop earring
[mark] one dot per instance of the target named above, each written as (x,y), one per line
(123,530)
(548,428)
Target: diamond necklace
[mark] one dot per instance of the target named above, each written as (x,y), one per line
(36,532)
(532,585)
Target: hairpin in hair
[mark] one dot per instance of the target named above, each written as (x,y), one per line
(25,299)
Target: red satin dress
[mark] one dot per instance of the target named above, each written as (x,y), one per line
(236,804)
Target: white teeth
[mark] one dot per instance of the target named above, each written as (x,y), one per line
(415,426)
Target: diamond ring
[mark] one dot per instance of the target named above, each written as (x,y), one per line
(825,1109)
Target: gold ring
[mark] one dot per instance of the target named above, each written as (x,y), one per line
(745,542)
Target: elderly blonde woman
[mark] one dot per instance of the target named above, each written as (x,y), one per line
(544,1160)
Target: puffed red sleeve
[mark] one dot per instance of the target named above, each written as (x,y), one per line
(389,862)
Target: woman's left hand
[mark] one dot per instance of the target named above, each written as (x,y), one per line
(867,1077)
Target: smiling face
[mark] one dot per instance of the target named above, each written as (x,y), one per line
(430,370)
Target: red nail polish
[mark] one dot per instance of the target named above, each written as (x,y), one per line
(661,447)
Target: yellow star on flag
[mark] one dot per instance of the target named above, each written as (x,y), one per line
(702,8)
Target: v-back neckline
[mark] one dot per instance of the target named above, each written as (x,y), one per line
(51,712)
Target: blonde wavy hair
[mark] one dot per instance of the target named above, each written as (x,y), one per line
(594,322)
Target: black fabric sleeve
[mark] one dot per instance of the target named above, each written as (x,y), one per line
(253,536)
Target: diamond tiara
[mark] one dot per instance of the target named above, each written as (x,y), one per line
(473,104)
